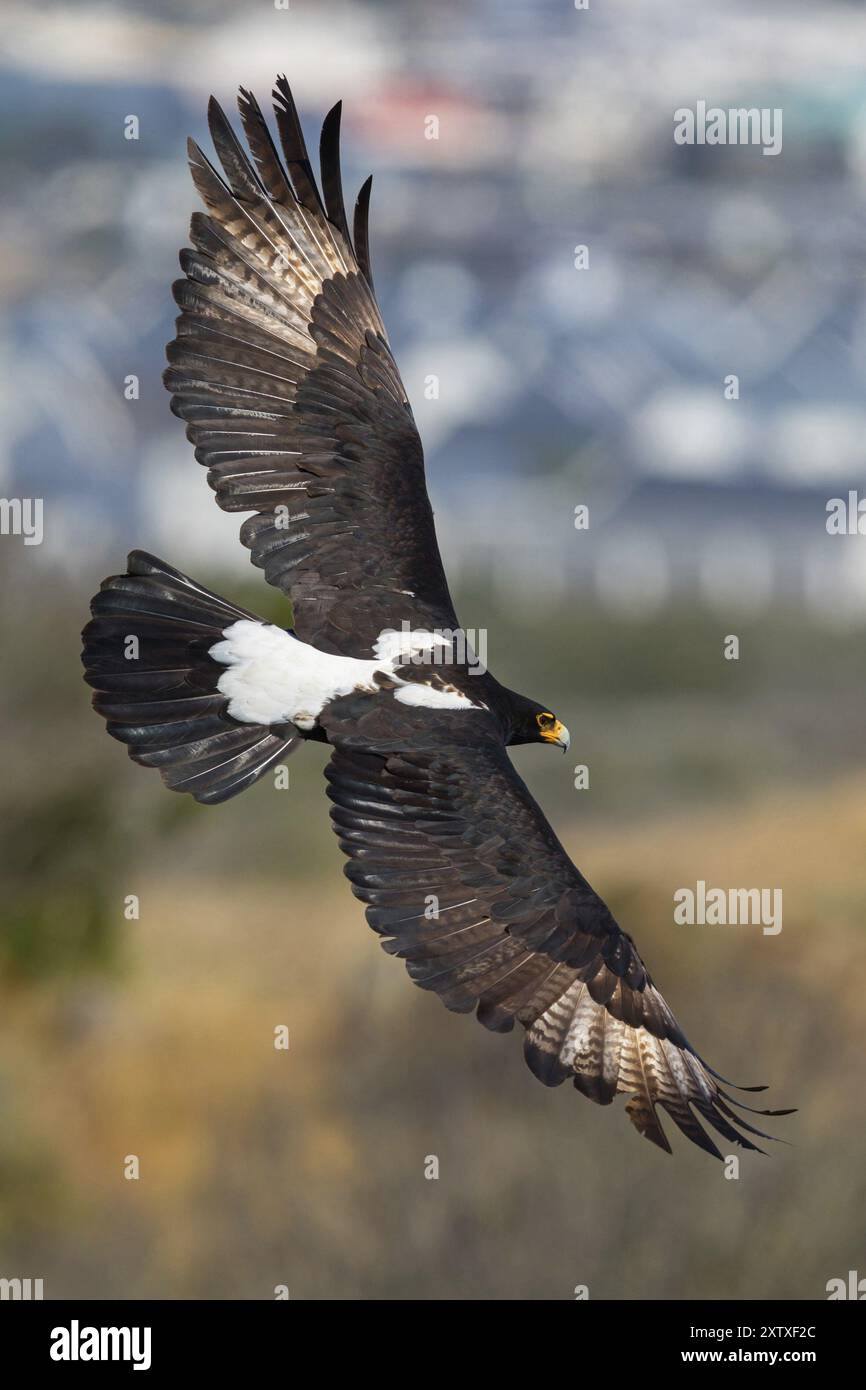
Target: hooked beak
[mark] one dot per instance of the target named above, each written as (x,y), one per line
(558,735)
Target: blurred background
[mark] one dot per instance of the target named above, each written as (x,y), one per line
(558,388)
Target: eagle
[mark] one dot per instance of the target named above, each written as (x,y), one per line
(284,376)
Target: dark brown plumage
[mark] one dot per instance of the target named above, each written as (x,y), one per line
(283,373)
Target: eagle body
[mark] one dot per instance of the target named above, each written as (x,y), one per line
(282,372)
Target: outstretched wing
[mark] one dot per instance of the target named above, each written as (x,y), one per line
(292,398)
(519,932)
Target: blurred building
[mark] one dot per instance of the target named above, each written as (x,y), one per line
(603,385)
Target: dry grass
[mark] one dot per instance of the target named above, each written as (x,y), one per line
(261,1167)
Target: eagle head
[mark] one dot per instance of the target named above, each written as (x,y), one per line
(534,723)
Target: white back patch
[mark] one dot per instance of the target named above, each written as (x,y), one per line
(274,678)
(414,693)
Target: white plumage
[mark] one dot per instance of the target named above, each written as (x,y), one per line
(274,678)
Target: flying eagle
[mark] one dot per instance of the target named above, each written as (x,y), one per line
(282,370)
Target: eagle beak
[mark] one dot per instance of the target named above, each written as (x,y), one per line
(558,735)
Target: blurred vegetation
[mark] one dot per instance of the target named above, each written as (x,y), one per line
(258,1167)
(58,917)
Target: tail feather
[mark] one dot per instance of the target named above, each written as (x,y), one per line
(158,693)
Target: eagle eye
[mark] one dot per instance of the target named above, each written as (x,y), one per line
(545,721)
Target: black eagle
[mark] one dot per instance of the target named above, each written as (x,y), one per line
(281,369)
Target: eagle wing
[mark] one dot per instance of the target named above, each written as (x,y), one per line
(282,370)
(466,881)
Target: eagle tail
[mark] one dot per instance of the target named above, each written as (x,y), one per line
(146,654)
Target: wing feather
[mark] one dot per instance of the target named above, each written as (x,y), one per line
(282,371)
(519,934)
